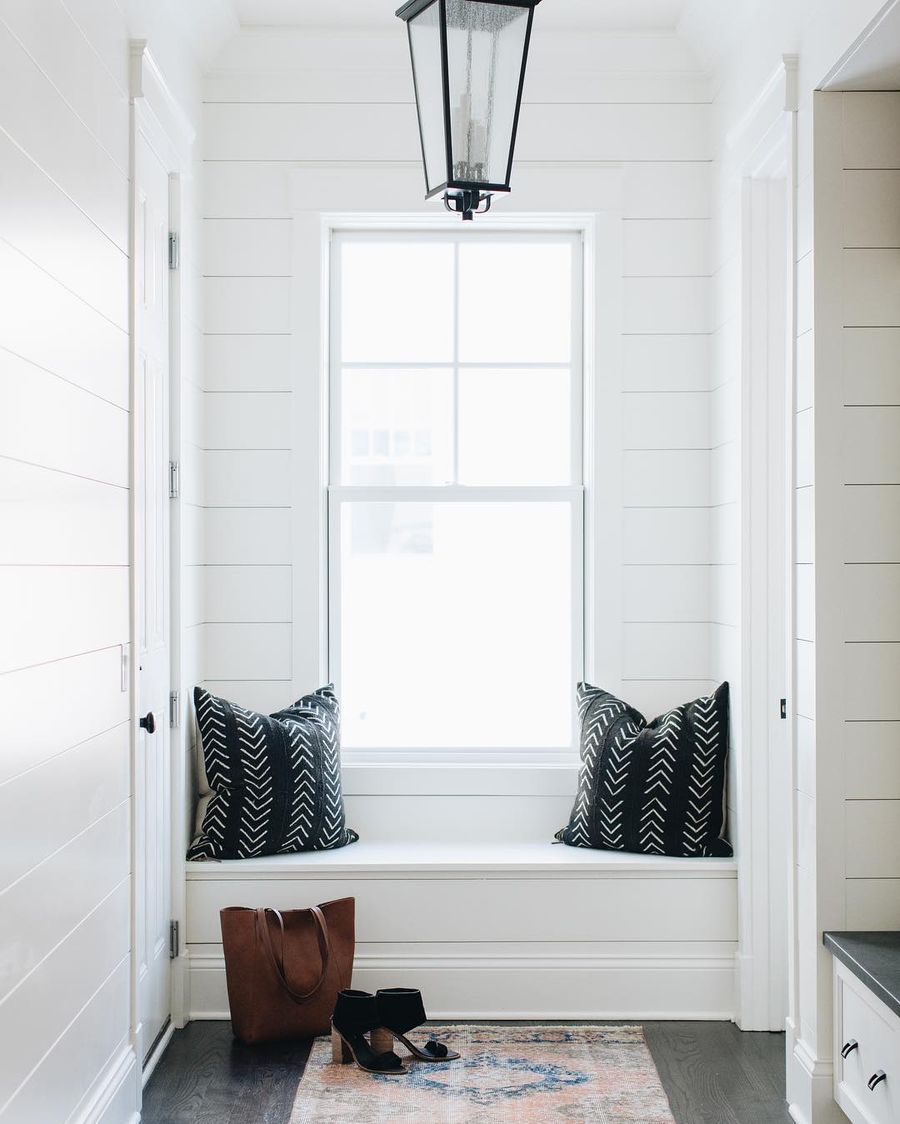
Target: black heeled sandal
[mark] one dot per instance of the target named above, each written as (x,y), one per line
(355,1016)
(400,1009)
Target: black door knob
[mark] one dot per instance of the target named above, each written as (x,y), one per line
(876,1079)
(148,723)
(849,1047)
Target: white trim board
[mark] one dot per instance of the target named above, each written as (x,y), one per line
(757,152)
(502,985)
(160,117)
(148,85)
(471,779)
(810,1086)
(114,1097)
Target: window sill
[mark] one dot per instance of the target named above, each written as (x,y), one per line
(466,778)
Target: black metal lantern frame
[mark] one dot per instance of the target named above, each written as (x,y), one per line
(463,50)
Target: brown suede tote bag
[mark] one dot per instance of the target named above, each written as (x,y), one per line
(285,968)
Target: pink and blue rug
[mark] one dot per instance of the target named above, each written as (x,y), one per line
(527,1074)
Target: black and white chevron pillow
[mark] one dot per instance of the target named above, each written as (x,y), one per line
(654,789)
(271,785)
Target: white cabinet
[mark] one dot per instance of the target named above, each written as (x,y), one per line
(867,1052)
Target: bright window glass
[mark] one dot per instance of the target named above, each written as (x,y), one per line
(515,426)
(396,302)
(456,500)
(456,627)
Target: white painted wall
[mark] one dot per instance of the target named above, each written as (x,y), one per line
(279,103)
(849,811)
(65,783)
(276,100)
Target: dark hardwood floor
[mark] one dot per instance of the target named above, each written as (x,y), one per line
(713,1074)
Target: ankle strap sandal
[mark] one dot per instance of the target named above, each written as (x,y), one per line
(400,1009)
(355,1016)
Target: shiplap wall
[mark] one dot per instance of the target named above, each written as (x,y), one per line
(65,784)
(851,443)
(870,508)
(276,99)
(847,539)
(64,584)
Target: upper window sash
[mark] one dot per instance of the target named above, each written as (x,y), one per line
(469,404)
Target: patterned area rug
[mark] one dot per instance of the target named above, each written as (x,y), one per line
(527,1074)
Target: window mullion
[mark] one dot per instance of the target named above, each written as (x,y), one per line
(461,493)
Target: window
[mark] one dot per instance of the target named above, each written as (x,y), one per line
(456,499)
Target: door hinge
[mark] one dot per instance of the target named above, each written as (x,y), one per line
(173,251)
(174,946)
(174,709)
(174,480)
(784,708)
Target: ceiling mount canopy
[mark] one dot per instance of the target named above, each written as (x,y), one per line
(468,60)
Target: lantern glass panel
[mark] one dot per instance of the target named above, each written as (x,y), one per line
(425,48)
(485,56)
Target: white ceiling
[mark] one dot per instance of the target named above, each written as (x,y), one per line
(581,15)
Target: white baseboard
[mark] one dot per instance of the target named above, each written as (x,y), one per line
(115,1098)
(158,1050)
(181,982)
(752,1001)
(504,986)
(810,1083)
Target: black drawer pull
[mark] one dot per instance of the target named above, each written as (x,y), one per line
(849,1047)
(877,1078)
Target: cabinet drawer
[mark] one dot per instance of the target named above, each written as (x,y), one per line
(864,1020)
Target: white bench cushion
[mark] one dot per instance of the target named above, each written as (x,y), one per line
(486,858)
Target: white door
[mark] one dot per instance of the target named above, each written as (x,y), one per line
(153,802)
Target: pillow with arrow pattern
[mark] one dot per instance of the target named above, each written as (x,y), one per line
(654,788)
(270,785)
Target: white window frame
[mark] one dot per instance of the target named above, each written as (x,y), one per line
(573,494)
(588,196)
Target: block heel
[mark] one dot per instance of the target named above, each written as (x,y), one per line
(341,1054)
(382,1040)
(355,1016)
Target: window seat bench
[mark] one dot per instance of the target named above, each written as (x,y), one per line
(495,930)
(367,857)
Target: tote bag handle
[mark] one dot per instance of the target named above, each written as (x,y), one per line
(262,925)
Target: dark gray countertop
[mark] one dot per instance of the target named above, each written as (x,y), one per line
(874,958)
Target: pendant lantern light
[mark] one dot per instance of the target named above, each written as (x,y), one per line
(468,60)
